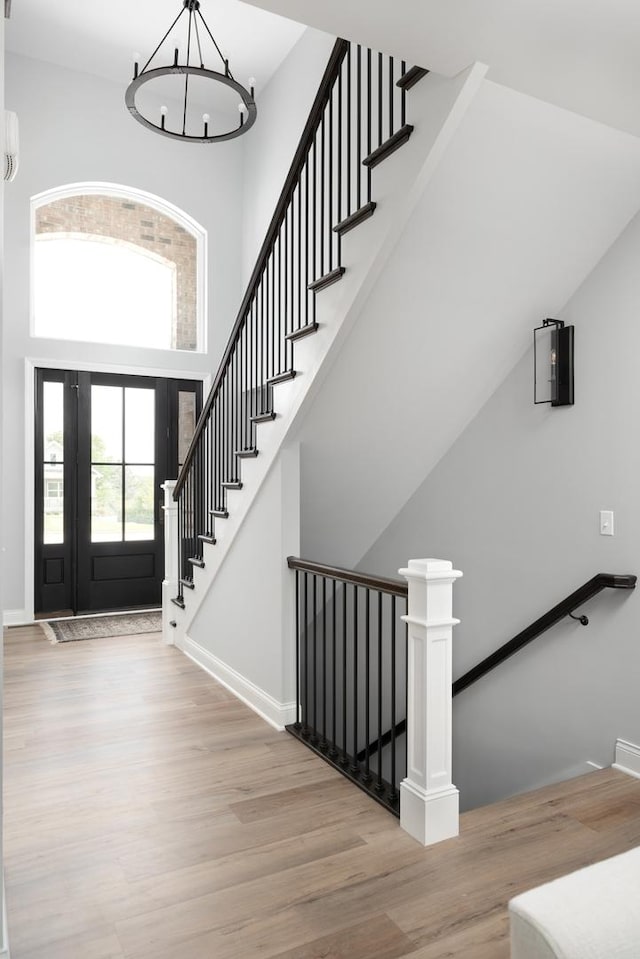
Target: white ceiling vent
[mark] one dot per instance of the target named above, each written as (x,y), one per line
(10,145)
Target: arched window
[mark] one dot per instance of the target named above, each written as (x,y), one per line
(111,265)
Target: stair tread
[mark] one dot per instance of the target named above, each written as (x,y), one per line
(263,417)
(220,513)
(205,538)
(232,484)
(411,77)
(196,561)
(389,146)
(327,279)
(354,219)
(178,601)
(281,377)
(303,331)
(246,454)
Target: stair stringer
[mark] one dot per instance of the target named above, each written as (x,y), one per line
(437,107)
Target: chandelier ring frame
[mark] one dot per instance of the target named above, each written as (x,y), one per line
(147,75)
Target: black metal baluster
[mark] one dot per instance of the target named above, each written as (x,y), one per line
(298,704)
(349,132)
(323,743)
(380,133)
(299,324)
(334,692)
(367,688)
(369,121)
(391,92)
(305,710)
(331,164)
(354,758)
(315,660)
(393,697)
(379,784)
(359,127)
(322,193)
(339,171)
(403,96)
(345,757)
(262,346)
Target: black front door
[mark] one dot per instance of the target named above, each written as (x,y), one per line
(104,444)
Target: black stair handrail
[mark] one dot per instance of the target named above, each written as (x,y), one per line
(395,587)
(564,608)
(322,97)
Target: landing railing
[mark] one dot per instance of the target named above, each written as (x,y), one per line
(351,674)
(358,118)
(364,666)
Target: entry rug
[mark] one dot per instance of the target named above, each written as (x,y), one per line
(100,627)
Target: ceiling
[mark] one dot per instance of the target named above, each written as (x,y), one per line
(583,55)
(100,38)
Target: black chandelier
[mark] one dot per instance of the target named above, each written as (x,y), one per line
(195,37)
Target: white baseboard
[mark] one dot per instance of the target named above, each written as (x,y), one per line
(627,758)
(276,714)
(16,617)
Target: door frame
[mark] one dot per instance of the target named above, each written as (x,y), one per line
(31,363)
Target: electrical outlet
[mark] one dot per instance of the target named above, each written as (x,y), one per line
(606,522)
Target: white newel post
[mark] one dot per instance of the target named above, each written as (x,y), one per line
(428,798)
(170,581)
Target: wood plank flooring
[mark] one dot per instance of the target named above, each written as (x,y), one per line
(150,815)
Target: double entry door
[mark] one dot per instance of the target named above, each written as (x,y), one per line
(104,445)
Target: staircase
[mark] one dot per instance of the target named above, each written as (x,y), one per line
(356,175)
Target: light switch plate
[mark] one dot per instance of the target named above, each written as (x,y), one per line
(606,522)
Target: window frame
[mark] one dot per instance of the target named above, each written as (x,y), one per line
(132,195)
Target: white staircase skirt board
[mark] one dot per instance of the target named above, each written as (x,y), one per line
(276,714)
(593,913)
(628,761)
(437,107)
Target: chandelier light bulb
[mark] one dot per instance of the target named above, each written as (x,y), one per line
(205,117)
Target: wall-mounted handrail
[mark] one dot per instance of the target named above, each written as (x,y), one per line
(589,589)
(380,583)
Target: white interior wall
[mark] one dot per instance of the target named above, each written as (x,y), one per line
(76,128)
(283,108)
(524,203)
(515,504)
(244,630)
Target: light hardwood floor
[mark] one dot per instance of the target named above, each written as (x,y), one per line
(150,815)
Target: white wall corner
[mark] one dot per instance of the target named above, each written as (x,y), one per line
(273,712)
(627,758)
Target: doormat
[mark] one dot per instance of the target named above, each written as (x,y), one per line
(100,627)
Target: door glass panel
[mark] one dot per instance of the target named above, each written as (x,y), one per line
(139,425)
(106,424)
(53,503)
(186,422)
(138,503)
(53,462)
(106,503)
